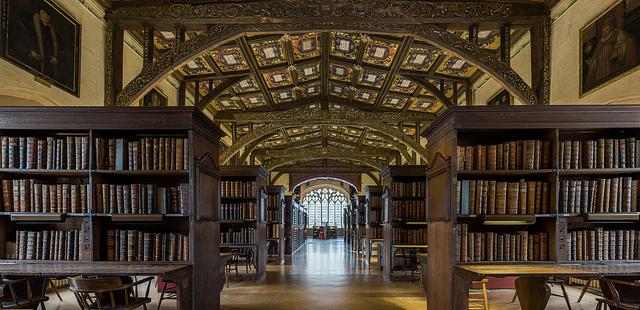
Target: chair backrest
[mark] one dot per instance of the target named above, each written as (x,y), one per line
(618,292)
(95,293)
(94,285)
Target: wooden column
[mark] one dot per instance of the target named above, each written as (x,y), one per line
(114,39)
(148,36)
(182,93)
(541,59)
(505,43)
(468,93)
(473,34)
(180,34)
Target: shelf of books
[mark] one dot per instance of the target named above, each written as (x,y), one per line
(288,223)
(532,185)
(275,223)
(404,216)
(103,185)
(299,221)
(360,222)
(243,212)
(373,217)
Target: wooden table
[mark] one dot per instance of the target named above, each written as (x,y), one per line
(369,246)
(533,293)
(180,274)
(410,246)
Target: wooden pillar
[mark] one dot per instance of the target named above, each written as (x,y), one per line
(468,93)
(455,93)
(148,37)
(541,59)
(182,93)
(114,39)
(180,34)
(505,43)
(473,34)
(196,93)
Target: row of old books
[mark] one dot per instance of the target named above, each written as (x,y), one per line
(376,232)
(499,197)
(48,245)
(148,153)
(409,189)
(238,235)
(274,215)
(599,196)
(600,244)
(375,216)
(238,211)
(273,201)
(375,202)
(409,210)
(273,231)
(409,236)
(235,189)
(600,153)
(491,246)
(66,152)
(138,246)
(512,155)
(142,199)
(28,195)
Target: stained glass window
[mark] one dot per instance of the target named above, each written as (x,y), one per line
(324,205)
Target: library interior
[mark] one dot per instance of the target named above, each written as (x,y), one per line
(320,154)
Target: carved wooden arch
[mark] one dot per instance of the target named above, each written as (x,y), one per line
(353,179)
(363,160)
(250,139)
(219,34)
(327,185)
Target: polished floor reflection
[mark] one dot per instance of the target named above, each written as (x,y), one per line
(323,275)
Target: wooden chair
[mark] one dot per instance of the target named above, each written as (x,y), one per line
(551,282)
(166,287)
(478,296)
(586,287)
(109,293)
(619,294)
(23,293)
(245,256)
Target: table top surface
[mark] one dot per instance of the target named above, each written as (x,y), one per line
(376,240)
(533,270)
(410,246)
(91,268)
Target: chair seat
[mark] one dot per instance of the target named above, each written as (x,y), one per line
(133,303)
(23,303)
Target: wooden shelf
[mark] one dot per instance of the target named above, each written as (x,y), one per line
(491,173)
(46,172)
(506,262)
(240,198)
(144,173)
(599,172)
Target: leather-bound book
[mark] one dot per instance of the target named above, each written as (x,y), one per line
(566,155)
(492,157)
(531,197)
(522,197)
(499,156)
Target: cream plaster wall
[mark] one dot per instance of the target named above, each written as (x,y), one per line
(16,82)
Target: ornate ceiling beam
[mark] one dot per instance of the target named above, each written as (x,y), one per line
(285,135)
(431,88)
(395,67)
(213,76)
(376,11)
(317,117)
(217,91)
(253,65)
(362,151)
(219,34)
(295,168)
(313,154)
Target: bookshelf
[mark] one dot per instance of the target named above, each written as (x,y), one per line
(299,221)
(360,223)
(275,223)
(404,214)
(288,238)
(243,214)
(373,217)
(100,185)
(567,194)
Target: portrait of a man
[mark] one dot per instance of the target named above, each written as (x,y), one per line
(43,39)
(609,46)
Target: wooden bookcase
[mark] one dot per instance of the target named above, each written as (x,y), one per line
(360,223)
(299,221)
(404,218)
(288,223)
(243,187)
(191,232)
(275,223)
(373,217)
(553,126)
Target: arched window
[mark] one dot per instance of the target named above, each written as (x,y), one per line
(324,205)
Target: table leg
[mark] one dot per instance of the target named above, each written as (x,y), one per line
(184,290)
(533,293)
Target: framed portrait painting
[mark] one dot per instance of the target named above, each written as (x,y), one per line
(609,46)
(154,98)
(40,37)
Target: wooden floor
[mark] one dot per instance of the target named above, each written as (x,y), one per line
(326,275)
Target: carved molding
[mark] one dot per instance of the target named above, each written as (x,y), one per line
(397,11)
(306,156)
(315,115)
(218,34)
(360,152)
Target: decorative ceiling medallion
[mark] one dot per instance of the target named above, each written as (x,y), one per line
(283,95)
(345,45)
(340,72)
(247,85)
(268,52)
(395,102)
(455,66)
(402,85)
(277,78)
(366,96)
(164,40)
(421,58)
(311,89)
(229,58)
(372,78)
(380,52)
(253,100)
(306,45)
(196,66)
(308,72)
(227,103)
(339,90)
(425,104)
